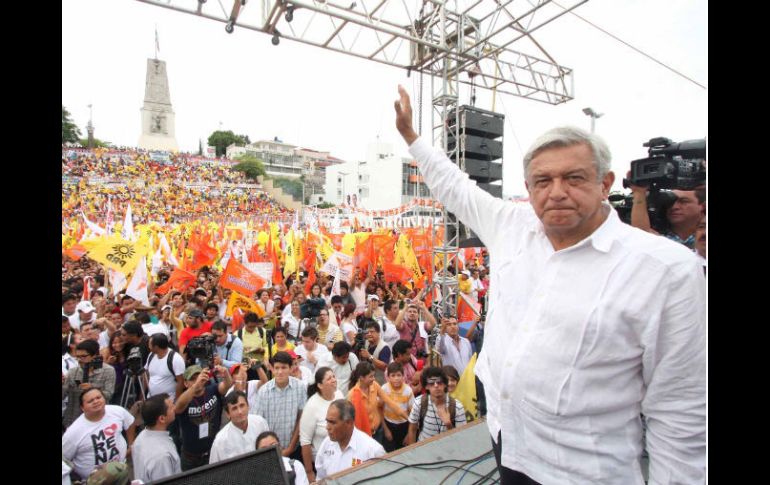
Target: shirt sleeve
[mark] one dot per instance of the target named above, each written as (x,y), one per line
(236,353)
(459,413)
(307,426)
(108,385)
(460,195)
(385,355)
(178,364)
(674,370)
(216,454)
(414,415)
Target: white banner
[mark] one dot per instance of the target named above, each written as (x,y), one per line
(341,261)
(264,270)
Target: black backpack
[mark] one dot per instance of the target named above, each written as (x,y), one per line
(169,361)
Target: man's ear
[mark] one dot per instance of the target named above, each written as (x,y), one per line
(607,182)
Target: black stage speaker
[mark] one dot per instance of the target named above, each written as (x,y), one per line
(477,136)
(263,466)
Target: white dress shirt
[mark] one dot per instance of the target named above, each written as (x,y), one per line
(455,354)
(579,342)
(330,459)
(231,441)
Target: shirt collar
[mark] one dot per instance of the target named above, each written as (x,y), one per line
(601,239)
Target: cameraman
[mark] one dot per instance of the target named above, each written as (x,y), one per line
(229,347)
(195,328)
(134,336)
(414,330)
(377,352)
(682,217)
(90,373)
(164,376)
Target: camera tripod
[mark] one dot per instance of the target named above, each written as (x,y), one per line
(129,395)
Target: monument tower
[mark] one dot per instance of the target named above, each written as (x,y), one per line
(158,131)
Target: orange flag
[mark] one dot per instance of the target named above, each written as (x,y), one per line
(310,267)
(238,278)
(396,273)
(75,252)
(179,280)
(204,254)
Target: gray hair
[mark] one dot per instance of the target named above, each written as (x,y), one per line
(346,409)
(567,136)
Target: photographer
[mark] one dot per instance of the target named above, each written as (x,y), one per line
(229,347)
(91,373)
(682,217)
(292,321)
(414,330)
(311,351)
(134,336)
(195,328)
(377,351)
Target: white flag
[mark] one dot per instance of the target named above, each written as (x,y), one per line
(336,284)
(157,260)
(117,281)
(137,288)
(94,228)
(128,225)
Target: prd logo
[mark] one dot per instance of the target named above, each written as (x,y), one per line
(123,251)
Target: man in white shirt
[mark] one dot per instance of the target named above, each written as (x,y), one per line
(346,446)
(342,362)
(239,436)
(153,453)
(389,334)
(454,349)
(164,376)
(311,350)
(591,322)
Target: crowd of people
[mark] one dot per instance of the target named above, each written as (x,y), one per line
(336,375)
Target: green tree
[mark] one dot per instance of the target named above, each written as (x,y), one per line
(222,139)
(325,205)
(69,131)
(97,143)
(290,186)
(250,165)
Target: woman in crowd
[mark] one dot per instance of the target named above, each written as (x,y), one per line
(348,323)
(280,342)
(315,302)
(115,355)
(312,425)
(369,400)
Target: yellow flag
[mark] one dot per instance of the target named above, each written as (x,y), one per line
(239,301)
(291,261)
(116,253)
(465,392)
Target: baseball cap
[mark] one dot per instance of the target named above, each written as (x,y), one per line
(234,368)
(196,313)
(85,307)
(165,307)
(292,353)
(373,297)
(466,273)
(190,372)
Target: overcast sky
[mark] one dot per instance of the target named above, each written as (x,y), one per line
(327,101)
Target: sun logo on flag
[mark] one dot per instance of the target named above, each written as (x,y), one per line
(123,251)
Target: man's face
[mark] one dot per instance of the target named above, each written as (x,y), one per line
(405,358)
(220,336)
(392,313)
(452,328)
(308,343)
(83,357)
(372,336)
(93,402)
(86,316)
(281,372)
(686,208)
(295,308)
(435,387)
(239,412)
(564,190)
(69,306)
(265,297)
(343,291)
(177,300)
(117,320)
(700,237)
(411,314)
(337,309)
(211,313)
(191,322)
(373,304)
(323,318)
(89,332)
(337,429)
(341,360)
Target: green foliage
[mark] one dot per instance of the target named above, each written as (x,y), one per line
(325,205)
(222,139)
(69,131)
(250,165)
(290,186)
(97,143)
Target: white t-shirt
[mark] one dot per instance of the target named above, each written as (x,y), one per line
(293,324)
(341,371)
(231,441)
(330,459)
(252,388)
(320,352)
(104,340)
(359,296)
(390,335)
(153,328)
(74,319)
(348,326)
(161,379)
(312,425)
(88,444)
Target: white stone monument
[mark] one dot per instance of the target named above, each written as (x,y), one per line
(158,131)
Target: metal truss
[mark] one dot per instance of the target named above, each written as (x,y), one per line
(418,35)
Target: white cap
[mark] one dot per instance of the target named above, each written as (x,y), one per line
(373,297)
(85,307)
(466,273)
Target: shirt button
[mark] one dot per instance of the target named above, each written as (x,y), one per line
(506,396)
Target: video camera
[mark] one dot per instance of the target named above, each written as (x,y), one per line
(658,203)
(670,165)
(359,341)
(202,348)
(134,361)
(96,363)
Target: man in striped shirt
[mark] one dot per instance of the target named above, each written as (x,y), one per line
(437,416)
